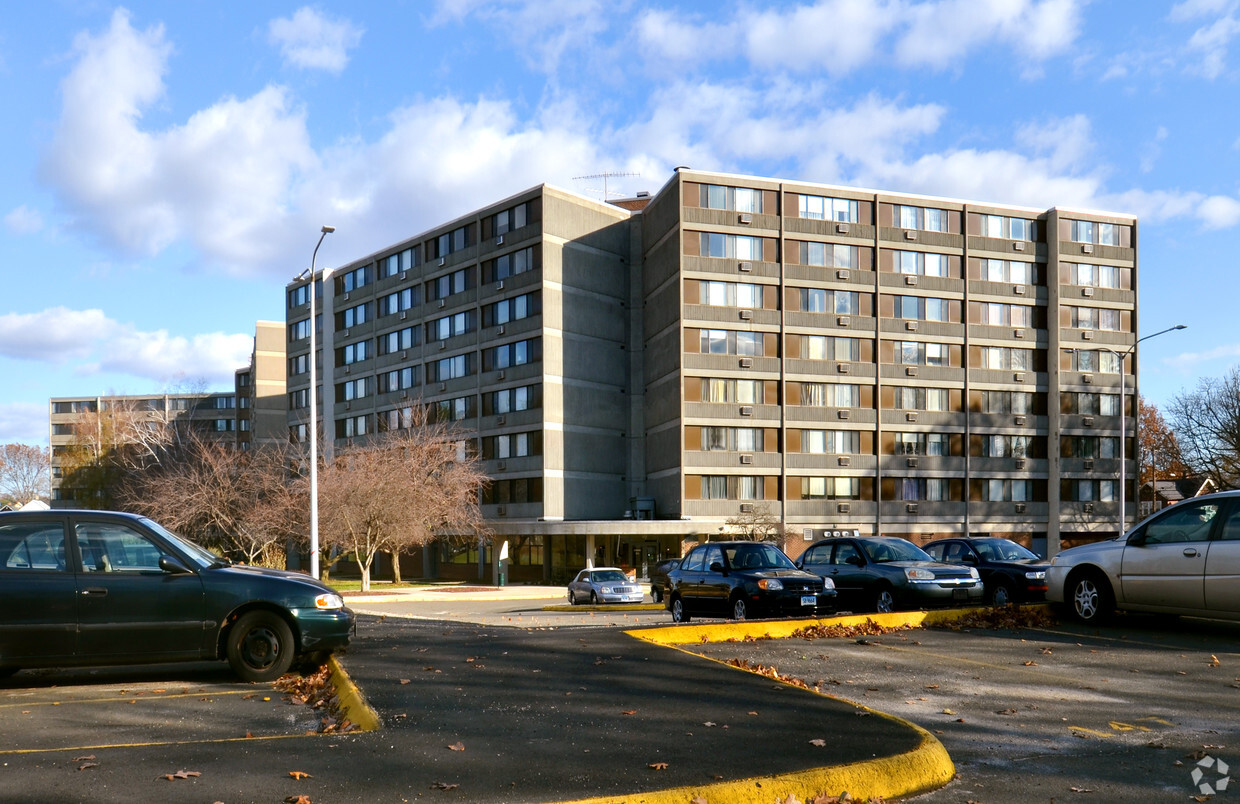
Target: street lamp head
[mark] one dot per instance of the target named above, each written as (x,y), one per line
(328,229)
(1180,326)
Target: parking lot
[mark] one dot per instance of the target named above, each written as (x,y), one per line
(1055,712)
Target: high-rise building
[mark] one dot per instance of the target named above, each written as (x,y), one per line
(736,351)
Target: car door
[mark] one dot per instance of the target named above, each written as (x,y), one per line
(37,591)
(1222,574)
(1164,562)
(127,605)
(715,587)
(848,573)
(689,578)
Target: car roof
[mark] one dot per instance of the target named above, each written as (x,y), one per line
(70,512)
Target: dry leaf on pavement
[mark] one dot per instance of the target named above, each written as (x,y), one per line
(457,746)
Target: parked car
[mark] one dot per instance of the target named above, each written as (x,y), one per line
(604,585)
(658,577)
(97,587)
(1010,572)
(884,573)
(1181,560)
(741,580)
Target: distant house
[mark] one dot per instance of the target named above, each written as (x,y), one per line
(1161,493)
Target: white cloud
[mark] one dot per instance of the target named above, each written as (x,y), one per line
(23,422)
(832,35)
(940,34)
(311,40)
(89,338)
(23,220)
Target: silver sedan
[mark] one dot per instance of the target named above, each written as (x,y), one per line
(604,585)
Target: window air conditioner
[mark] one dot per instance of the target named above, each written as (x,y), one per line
(746,315)
(910,417)
(442,303)
(746,459)
(1020,508)
(1089,507)
(442,260)
(1089,463)
(841,228)
(1088,421)
(745,266)
(843,508)
(746,362)
(1019,290)
(746,410)
(1087,335)
(911,463)
(1087,249)
(744,218)
(911,326)
(910,371)
(1087,291)
(844,460)
(911,508)
(841,274)
(910,235)
(911,279)
(499,241)
(844,414)
(746,508)
(499,285)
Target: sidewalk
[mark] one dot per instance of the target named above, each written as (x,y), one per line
(447,592)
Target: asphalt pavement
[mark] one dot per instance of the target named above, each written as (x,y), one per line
(468,712)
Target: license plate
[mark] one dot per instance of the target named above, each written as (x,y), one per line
(809,600)
(960,594)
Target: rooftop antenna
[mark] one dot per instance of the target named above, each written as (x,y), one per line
(611,174)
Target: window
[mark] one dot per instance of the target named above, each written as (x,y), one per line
(507,355)
(1104,234)
(397,380)
(923,488)
(512,218)
(931,399)
(920,308)
(740,247)
(451,410)
(1006,358)
(1100,276)
(732,487)
(510,400)
(831,442)
(830,488)
(1092,404)
(1009,228)
(915,353)
(353,389)
(1095,318)
(744,392)
(997,314)
(351,427)
(514,309)
(839,302)
(353,353)
(451,242)
(822,347)
(299,295)
(352,316)
(298,364)
(829,255)
(1013,271)
(1018,402)
(512,445)
(450,368)
(825,394)
(298,400)
(1089,490)
(397,263)
(931,444)
(928,219)
(515,490)
(450,326)
(398,340)
(1088,360)
(399,301)
(731,342)
(299,330)
(730,294)
(920,263)
(1104,447)
(352,280)
(1006,446)
(449,284)
(33,546)
(733,439)
(822,208)
(1003,490)
(395,419)
(740,199)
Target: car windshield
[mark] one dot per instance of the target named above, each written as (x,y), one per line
(758,556)
(1003,550)
(609,575)
(199,555)
(895,550)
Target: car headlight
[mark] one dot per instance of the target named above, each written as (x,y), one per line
(1036,576)
(914,574)
(329,601)
(973,574)
(605,589)
(827,583)
(770,584)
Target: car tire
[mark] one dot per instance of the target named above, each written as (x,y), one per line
(1089,596)
(572,598)
(679,613)
(593,599)
(656,594)
(884,600)
(740,609)
(260,646)
(1001,595)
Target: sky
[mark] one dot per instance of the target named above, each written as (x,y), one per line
(169,165)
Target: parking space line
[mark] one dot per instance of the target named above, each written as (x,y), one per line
(219,740)
(126,698)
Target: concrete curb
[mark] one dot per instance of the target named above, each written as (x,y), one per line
(781,629)
(353,706)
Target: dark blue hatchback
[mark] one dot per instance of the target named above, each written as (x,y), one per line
(99,587)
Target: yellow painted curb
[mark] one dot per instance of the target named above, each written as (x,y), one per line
(353,706)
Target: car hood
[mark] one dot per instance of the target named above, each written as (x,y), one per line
(1021,563)
(293,581)
(777,573)
(941,570)
(1089,552)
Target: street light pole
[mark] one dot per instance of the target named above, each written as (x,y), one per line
(314,416)
(1123,432)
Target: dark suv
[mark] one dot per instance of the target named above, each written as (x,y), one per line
(1011,573)
(742,580)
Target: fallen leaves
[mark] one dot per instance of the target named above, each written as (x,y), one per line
(300,798)
(457,746)
(299,775)
(1012,617)
(182,774)
(658,765)
(444,786)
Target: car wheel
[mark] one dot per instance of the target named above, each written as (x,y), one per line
(884,600)
(593,599)
(1091,597)
(679,613)
(740,611)
(572,598)
(656,594)
(260,646)
(1001,595)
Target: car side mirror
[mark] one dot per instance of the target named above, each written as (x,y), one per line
(968,559)
(174,566)
(854,560)
(1137,539)
(715,566)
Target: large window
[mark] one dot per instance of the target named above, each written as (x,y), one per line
(353,389)
(1089,490)
(450,368)
(998,314)
(730,294)
(830,488)
(829,255)
(351,317)
(1098,276)
(397,341)
(512,354)
(352,426)
(741,247)
(1006,446)
(451,242)
(744,392)
(1090,404)
(1004,490)
(932,444)
(732,487)
(1009,228)
(827,394)
(399,301)
(912,398)
(353,353)
(450,326)
(449,284)
(921,308)
(514,309)
(1104,447)
(395,264)
(928,219)
(510,400)
(512,218)
(1105,234)
(820,300)
(820,208)
(921,263)
(1099,360)
(1095,318)
(1006,358)
(512,445)
(822,347)
(397,380)
(1013,271)
(733,439)
(1017,402)
(831,442)
(923,488)
(740,199)
(731,342)
(511,264)
(299,330)
(916,353)
(352,280)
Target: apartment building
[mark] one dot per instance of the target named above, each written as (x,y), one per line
(260,389)
(640,374)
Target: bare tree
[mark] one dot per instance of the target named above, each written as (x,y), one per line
(760,525)
(243,503)
(25,473)
(1206,421)
(406,489)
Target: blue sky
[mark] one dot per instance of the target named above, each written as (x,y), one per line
(168,165)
